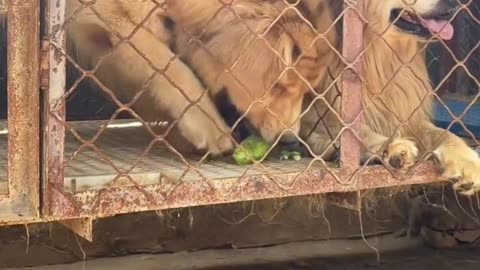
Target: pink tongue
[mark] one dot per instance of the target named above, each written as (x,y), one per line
(442,28)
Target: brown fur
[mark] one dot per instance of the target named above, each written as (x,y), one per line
(257,40)
(127,71)
(247,49)
(397,102)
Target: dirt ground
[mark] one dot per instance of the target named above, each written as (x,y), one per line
(296,256)
(413,260)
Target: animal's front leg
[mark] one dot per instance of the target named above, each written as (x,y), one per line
(457,159)
(174,89)
(181,94)
(399,153)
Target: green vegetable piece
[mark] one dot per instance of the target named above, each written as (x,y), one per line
(296,156)
(251,149)
(286,155)
(242,157)
(260,150)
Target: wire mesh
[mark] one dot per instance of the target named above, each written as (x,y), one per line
(179,83)
(464,47)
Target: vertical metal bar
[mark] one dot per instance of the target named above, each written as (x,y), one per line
(55,107)
(23,106)
(351,82)
(3,79)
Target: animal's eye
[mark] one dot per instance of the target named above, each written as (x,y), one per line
(279,88)
(169,24)
(296,53)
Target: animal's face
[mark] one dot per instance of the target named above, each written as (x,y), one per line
(275,68)
(420,18)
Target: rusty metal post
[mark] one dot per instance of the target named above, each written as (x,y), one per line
(23,111)
(351,82)
(55,108)
(55,197)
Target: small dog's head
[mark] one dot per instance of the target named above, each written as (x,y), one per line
(419,18)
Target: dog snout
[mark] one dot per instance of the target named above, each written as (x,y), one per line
(395,162)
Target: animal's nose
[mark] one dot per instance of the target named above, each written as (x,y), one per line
(395,162)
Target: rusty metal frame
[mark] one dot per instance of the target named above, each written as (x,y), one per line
(54,70)
(21,204)
(87,205)
(351,110)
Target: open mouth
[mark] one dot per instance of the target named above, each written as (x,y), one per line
(424,26)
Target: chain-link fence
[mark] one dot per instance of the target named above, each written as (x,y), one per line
(457,63)
(148,105)
(204,76)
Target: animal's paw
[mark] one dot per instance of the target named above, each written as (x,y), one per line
(214,141)
(222,145)
(462,164)
(400,154)
(205,135)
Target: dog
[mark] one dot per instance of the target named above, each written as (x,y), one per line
(396,93)
(266,57)
(270,75)
(132,69)
(259,55)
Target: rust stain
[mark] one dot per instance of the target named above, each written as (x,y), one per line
(54,195)
(23,110)
(92,204)
(109,202)
(351,85)
(44,68)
